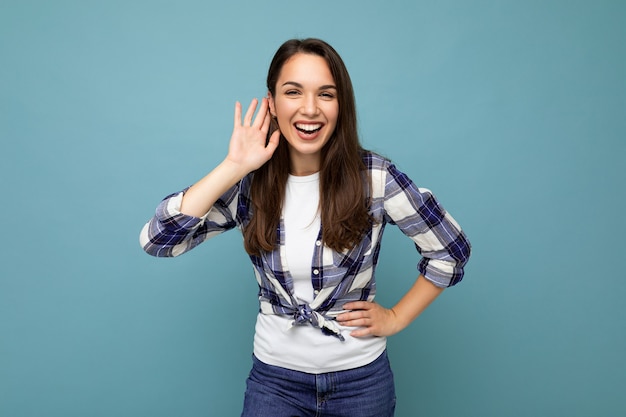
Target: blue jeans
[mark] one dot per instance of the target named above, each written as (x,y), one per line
(367,391)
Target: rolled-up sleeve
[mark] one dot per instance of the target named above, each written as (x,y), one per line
(171,233)
(440,240)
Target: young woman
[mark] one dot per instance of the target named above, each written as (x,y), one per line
(312,205)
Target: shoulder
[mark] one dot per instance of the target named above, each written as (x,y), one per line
(377,163)
(374,161)
(377,168)
(386,178)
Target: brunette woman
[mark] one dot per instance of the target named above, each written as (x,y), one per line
(312,205)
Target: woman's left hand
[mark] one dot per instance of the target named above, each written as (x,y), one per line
(371,318)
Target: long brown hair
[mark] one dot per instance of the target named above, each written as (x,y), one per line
(344,183)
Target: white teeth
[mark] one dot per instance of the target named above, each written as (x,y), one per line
(308,127)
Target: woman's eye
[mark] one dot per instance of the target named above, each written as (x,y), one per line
(327,95)
(291,92)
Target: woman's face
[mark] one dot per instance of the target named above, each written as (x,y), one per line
(306,107)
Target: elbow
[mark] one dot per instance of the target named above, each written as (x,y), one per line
(146,245)
(160,246)
(462,250)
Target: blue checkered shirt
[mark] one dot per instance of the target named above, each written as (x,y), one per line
(337,277)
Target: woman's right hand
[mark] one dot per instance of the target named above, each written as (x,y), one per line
(248,148)
(247,152)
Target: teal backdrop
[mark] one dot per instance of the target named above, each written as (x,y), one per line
(512,112)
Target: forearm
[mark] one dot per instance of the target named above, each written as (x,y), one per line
(248,150)
(374,319)
(201,196)
(421,294)
(180,223)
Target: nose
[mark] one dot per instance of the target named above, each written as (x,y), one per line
(309,105)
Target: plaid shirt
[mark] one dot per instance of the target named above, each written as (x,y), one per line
(337,277)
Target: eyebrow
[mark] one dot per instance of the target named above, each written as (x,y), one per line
(298,85)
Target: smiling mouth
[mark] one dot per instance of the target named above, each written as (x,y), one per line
(308,128)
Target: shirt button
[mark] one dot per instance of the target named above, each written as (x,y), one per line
(316,272)
(318,243)
(316,292)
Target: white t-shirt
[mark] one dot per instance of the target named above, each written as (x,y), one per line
(305,348)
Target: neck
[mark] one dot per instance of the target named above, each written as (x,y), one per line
(304,165)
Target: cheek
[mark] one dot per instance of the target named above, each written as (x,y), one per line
(332,110)
(284,114)
(333,115)
(283,124)
(279,108)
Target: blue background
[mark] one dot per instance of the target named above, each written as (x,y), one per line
(512,112)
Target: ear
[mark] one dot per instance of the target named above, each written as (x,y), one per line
(270,99)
